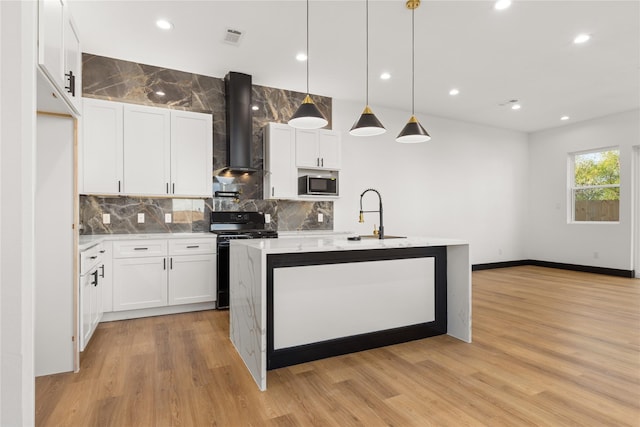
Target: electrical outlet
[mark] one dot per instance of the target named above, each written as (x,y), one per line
(106,218)
(167,218)
(267,218)
(140,218)
(320,217)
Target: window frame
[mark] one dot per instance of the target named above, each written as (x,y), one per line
(572,187)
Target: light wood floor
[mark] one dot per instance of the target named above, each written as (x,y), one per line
(551,348)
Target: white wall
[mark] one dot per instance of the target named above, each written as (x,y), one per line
(17,140)
(549,236)
(468,182)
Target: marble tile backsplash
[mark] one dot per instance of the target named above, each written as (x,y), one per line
(124,81)
(192,215)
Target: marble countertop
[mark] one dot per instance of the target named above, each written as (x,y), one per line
(87,241)
(340,243)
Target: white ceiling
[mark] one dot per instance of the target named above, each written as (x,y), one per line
(525,52)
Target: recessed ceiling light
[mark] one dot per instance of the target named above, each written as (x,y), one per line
(454,92)
(581,38)
(385,76)
(501,4)
(516,107)
(160,93)
(164,24)
(255,108)
(564,118)
(301,56)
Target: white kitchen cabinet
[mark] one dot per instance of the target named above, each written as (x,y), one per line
(279,162)
(106,277)
(192,278)
(50,40)
(191,153)
(318,149)
(72,61)
(139,283)
(139,274)
(131,149)
(157,273)
(59,53)
(147,150)
(91,294)
(102,147)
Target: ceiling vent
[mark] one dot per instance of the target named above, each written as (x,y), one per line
(233,36)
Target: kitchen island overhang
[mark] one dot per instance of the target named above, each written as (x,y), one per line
(295,300)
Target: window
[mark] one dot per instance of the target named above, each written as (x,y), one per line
(595,186)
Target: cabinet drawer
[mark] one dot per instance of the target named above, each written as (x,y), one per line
(139,248)
(192,246)
(90,258)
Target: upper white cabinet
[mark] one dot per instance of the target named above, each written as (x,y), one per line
(279,162)
(147,150)
(318,149)
(101,147)
(290,153)
(59,54)
(191,153)
(138,150)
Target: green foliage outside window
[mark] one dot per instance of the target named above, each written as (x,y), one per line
(595,169)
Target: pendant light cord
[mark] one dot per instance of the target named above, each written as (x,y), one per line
(307,47)
(367,31)
(413,64)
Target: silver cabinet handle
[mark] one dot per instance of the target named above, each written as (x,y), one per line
(193,247)
(140,249)
(322,162)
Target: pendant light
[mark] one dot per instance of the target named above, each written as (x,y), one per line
(307,116)
(413,130)
(368,124)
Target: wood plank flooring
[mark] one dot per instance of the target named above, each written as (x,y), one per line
(551,348)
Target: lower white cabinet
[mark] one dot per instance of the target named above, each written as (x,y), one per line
(91,274)
(157,273)
(139,283)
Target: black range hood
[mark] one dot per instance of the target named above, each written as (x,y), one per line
(239,124)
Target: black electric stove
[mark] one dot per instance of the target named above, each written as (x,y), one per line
(229,226)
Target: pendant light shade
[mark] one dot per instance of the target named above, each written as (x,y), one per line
(307,116)
(413,131)
(368,124)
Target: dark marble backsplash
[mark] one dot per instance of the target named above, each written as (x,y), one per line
(192,215)
(125,81)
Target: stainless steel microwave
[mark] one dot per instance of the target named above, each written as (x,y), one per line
(318,185)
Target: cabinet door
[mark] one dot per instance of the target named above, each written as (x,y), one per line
(192,278)
(50,40)
(101,147)
(139,283)
(146,150)
(191,154)
(279,162)
(106,276)
(329,149)
(86,295)
(307,148)
(72,62)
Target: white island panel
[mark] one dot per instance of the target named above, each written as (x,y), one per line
(322,302)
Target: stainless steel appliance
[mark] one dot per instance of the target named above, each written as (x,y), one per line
(318,185)
(234,225)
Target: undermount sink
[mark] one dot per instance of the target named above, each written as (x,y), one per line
(373,236)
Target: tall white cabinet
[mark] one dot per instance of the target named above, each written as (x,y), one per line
(54,326)
(131,149)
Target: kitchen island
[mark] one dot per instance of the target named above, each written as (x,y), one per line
(299,299)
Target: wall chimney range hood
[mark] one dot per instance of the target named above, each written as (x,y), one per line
(239,124)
